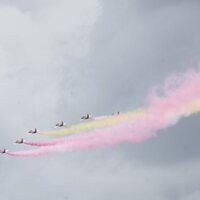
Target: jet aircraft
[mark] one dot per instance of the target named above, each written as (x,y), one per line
(88,116)
(60,124)
(3,151)
(34,131)
(20,141)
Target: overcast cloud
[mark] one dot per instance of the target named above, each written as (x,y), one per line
(61,59)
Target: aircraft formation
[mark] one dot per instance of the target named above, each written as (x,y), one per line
(57,125)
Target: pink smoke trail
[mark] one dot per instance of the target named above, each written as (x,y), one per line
(180,93)
(107,137)
(43,143)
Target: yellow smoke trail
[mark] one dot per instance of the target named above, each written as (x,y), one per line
(93,124)
(193,107)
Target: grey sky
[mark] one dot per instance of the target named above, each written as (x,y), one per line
(61,59)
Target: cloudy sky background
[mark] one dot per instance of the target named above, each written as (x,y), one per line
(60,59)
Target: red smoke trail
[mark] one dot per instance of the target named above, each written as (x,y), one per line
(180,93)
